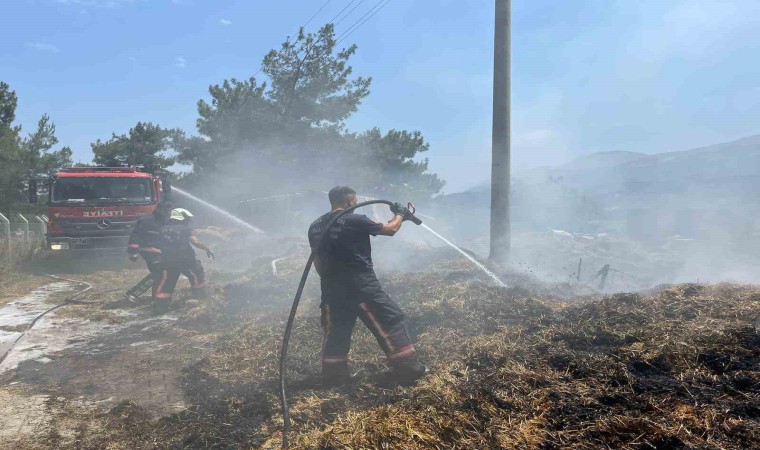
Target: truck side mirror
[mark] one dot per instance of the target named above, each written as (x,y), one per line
(32,191)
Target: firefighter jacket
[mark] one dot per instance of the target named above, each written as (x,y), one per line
(146,237)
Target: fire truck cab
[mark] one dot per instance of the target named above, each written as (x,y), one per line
(97,207)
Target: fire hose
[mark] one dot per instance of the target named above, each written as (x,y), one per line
(297,300)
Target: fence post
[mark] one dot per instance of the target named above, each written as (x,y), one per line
(43,227)
(6,232)
(25,224)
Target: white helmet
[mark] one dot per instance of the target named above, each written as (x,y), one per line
(180,214)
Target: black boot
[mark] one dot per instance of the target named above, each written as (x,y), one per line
(408,370)
(337,375)
(161,307)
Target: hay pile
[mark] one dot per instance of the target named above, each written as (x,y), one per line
(677,369)
(511,368)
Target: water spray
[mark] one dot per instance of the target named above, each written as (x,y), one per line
(480,266)
(297,300)
(226,214)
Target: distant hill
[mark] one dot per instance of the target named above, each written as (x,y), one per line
(706,190)
(603,160)
(700,174)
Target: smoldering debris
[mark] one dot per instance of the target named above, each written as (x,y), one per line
(679,368)
(522,367)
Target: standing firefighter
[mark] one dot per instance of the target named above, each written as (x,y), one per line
(193,268)
(350,288)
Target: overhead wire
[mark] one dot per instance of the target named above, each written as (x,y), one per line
(348,13)
(315,14)
(344,8)
(302,26)
(368,15)
(355,27)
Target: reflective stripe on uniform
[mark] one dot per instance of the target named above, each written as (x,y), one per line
(327,326)
(160,294)
(377,326)
(328,320)
(334,359)
(403,353)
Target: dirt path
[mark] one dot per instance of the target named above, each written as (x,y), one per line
(16,285)
(94,355)
(23,415)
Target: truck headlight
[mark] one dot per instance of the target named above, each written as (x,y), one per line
(61,246)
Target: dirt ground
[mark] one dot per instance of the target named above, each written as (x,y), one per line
(17,284)
(92,355)
(535,365)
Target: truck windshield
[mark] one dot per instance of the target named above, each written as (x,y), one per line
(102,190)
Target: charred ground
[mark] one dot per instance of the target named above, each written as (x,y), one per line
(534,366)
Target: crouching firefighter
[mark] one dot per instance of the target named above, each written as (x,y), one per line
(350,289)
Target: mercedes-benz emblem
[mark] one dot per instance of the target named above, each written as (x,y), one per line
(103,223)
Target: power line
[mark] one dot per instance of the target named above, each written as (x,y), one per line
(303,26)
(351,29)
(355,26)
(359,22)
(344,8)
(360,18)
(349,13)
(315,14)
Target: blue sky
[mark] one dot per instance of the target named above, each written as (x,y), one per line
(588,75)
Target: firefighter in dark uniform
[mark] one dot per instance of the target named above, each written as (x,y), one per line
(350,289)
(166,247)
(145,240)
(177,257)
(194,269)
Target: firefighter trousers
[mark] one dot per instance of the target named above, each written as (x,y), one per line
(196,275)
(165,277)
(358,294)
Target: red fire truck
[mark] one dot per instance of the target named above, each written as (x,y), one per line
(97,207)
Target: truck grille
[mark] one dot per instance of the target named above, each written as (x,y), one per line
(96,227)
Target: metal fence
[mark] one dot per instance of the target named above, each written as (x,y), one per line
(20,228)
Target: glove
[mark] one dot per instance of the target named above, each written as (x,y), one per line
(401,210)
(210,254)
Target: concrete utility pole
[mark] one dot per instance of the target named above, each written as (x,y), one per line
(500,151)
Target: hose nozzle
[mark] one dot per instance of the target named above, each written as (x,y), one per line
(412,210)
